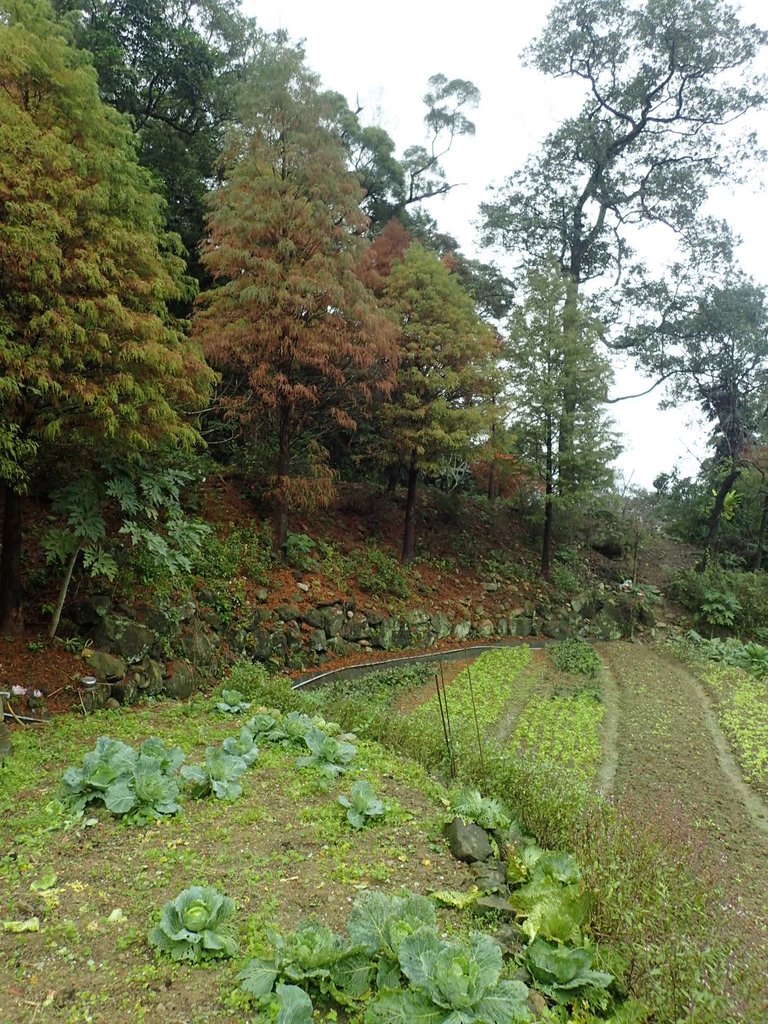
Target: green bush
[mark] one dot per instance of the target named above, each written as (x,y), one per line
(378,572)
(576,657)
(724,597)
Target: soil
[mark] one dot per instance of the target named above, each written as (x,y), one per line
(282,851)
(670,763)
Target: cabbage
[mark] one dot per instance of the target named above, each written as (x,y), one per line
(195,926)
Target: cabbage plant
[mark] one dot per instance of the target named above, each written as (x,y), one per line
(196,926)
(218,776)
(327,754)
(564,973)
(380,923)
(232,702)
(451,983)
(362,804)
(242,745)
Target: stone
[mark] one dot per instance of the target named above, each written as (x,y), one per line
(126,638)
(181,680)
(304,587)
(487,905)
(287,612)
(441,625)
(462,629)
(490,875)
(556,629)
(262,595)
(485,628)
(356,627)
(317,641)
(392,634)
(106,666)
(467,841)
(112,704)
(491,588)
(520,625)
(332,619)
(501,627)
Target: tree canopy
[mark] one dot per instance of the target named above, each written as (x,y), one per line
(88,352)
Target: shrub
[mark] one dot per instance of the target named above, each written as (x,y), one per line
(575,657)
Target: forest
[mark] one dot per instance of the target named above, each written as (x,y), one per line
(260,416)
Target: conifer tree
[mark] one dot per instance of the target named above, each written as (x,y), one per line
(89,356)
(299,339)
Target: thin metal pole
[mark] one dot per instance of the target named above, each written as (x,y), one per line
(442,718)
(448,720)
(477,728)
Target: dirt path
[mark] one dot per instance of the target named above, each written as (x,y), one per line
(674,766)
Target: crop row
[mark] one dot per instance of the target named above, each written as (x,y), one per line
(482,689)
(563,730)
(741,704)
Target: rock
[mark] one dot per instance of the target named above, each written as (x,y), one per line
(332,619)
(126,638)
(112,704)
(521,625)
(491,876)
(468,842)
(317,641)
(501,627)
(485,628)
(181,680)
(286,612)
(441,625)
(6,745)
(392,634)
(356,627)
(492,905)
(262,595)
(304,587)
(491,588)
(557,629)
(538,1004)
(462,629)
(106,666)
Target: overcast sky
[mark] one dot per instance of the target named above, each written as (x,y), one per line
(380,57)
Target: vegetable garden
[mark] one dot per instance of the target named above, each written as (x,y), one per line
(242,857)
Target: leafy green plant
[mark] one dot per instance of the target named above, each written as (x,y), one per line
(299,549)
(451,982)
(314,956)
(719,607)
(129,783)
(327,755)
(485,811)
(242,746)
(378,572)
(564,973)
(362,804)
(196,926)
(218,776)
(379,923)
(232,702)
(552,901)
(575,657)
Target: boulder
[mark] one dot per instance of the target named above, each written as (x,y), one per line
(441,625)
(462,629)
(106,666)
(181,680)
(468,842)
(356,627)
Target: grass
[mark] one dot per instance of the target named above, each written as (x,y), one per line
(741,705)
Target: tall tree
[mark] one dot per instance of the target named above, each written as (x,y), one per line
(173,66)
(662,80)
(296,334)
(558,384)
(708,342)
(446,373)
(89,356)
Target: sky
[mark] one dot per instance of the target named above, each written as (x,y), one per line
(379,56)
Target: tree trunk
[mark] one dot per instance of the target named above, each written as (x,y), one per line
(63,592)
(492,480)
(761,535)
(283,468)
(717,509)
(11,617)
(409,538)
(549,508)
(565,447)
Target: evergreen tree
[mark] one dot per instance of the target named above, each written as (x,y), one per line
(447,373)
(558,383)
(299,339)
(89,356)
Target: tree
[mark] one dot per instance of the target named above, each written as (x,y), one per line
(89,356)
(662,82)
(446,372)
(708,341)
(557,384)
(173,68)
(298,337)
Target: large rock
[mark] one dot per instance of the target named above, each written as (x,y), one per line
(126,638)
(391,634)
(106,666)
(468,842)
(355,628)
(441,625)
(462,629)
(520,625)
(181,680)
